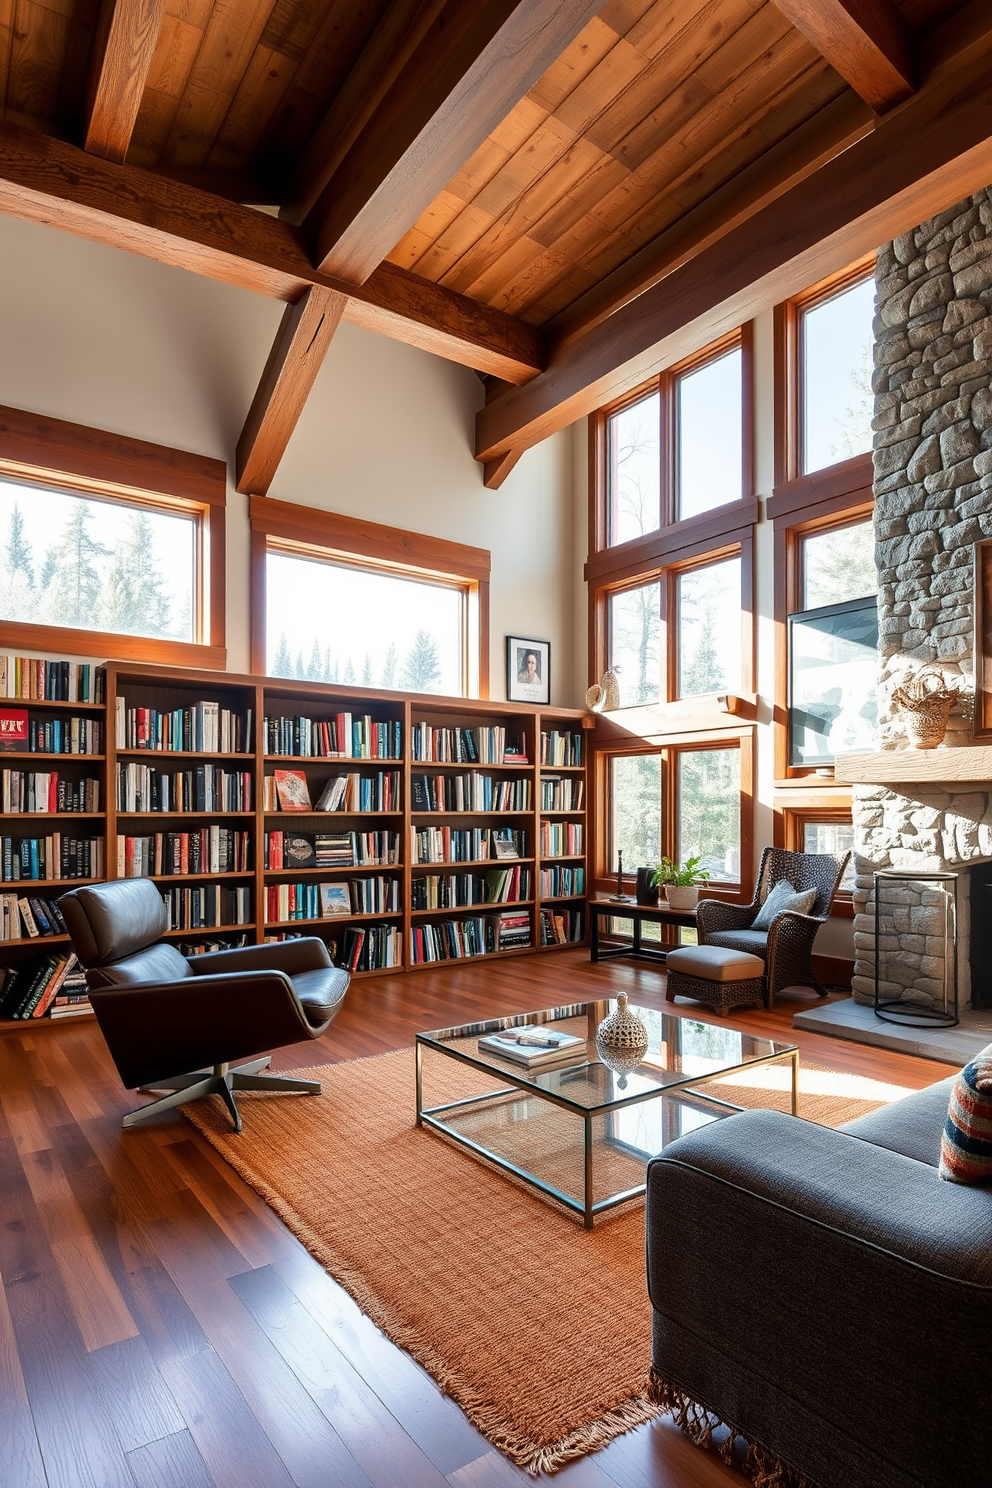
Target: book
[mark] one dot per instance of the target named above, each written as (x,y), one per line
(332,796)
(293,791)
(335,899)
(504,844)
(13,730)
(297,851)
(534,1047)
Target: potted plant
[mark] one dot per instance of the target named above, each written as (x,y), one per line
(681,881)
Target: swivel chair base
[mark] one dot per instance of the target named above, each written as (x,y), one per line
(222,1081)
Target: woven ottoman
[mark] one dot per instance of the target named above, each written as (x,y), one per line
(717,976)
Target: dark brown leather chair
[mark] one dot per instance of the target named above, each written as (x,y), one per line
(161,1013)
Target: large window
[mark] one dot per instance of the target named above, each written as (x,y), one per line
(635,643)
(343,601)
(678,447)
(635,810)
(836,342)
(108,545)
(708,620)
(837,564)
(708,807)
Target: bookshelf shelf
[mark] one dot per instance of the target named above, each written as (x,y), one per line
(257,702)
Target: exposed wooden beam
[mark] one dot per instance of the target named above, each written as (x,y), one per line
(867,41)
(295,359)
(929,153)
(123,46)
(232,184)
(495,471)
(476,61)
(46,180)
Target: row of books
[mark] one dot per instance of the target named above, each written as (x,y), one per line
(474,746)
(466,890)
(46,791)
(205,728)
(315,901)
(561,747)
(477,935)
(343,736)
(30,677)
(208,905)
(212,849)
(561,839)
(55,986)
(330,850)
(35,916)
(369,948)
(562,883)
(562,929)
(289,790)
(55,856)
(562,793)
(206,788)
(466,844)
(46,735)
(472,792)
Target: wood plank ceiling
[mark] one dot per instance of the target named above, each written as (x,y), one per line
(354,119)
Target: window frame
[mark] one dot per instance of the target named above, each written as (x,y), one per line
(789,391)
(672,532)
(74,459)
(823,807)
(307,531)
(669,747)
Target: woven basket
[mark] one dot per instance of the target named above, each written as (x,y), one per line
(926,703)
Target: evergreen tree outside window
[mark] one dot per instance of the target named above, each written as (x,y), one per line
(838,564)
(708,810)
(635,811)
(89,562)
(709,629)
(635,643)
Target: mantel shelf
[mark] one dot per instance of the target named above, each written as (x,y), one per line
(964,765)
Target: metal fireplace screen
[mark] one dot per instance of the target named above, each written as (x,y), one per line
(916,972)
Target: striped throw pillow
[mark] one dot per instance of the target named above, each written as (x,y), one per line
(966,1148)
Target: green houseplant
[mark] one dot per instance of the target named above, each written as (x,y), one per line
(681,881)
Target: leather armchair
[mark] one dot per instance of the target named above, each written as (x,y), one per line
(786,947)
(164,1016)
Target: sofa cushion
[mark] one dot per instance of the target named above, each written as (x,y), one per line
(753,942)
(780,897)
(966,1145)
(911,1126)
(320,992)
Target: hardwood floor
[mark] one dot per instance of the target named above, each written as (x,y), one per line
(161,1328)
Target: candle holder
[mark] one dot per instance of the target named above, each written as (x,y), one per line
(620,897)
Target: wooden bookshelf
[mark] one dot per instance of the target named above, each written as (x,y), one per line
(167,689)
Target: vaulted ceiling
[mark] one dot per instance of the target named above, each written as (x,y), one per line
(555,192)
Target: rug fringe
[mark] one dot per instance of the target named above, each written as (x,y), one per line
(757,1463)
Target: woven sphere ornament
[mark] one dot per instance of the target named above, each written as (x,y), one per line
(622,1030)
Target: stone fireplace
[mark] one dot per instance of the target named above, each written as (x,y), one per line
(933,502)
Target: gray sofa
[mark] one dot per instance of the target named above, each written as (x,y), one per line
(827,1295)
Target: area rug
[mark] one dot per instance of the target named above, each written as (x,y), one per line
(540,1330)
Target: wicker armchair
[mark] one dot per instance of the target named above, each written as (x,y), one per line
(787,945)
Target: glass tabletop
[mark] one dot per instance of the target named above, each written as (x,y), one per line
(680,1051)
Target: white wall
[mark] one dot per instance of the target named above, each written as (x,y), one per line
(106,338)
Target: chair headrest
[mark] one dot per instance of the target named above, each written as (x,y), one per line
(111,920)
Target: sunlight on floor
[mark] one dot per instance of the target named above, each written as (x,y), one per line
(815,1081)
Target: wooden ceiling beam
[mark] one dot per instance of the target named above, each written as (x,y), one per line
(867,41)
(929,153)
(126,37)
(474,63)
(48,181)
(295,359)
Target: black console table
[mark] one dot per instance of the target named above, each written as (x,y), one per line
(656,914)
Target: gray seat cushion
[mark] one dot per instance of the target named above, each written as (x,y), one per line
(321,992)
(754,942)
(912,1126)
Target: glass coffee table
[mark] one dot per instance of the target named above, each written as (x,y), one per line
(583,1133)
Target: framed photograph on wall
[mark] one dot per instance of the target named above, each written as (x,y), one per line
(833,674)
(528,670)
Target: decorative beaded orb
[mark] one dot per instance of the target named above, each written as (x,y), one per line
(622,1030)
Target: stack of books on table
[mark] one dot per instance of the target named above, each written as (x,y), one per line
(535,1047)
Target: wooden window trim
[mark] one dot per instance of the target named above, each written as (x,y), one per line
(838,510)
(604,752)
(330,534)
(669,535)
(790,821)
(788,368)
(73,457)
(983,653)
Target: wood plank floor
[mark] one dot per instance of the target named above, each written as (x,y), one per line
(161,1328)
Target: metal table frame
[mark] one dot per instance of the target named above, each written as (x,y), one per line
(429,1116)
(606,909)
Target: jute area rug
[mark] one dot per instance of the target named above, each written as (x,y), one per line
(540,1330)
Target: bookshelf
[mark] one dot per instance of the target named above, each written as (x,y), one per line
(402,873)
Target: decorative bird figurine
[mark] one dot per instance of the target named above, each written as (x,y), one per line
(604,696)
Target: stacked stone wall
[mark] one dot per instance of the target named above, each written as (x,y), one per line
(933,502)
